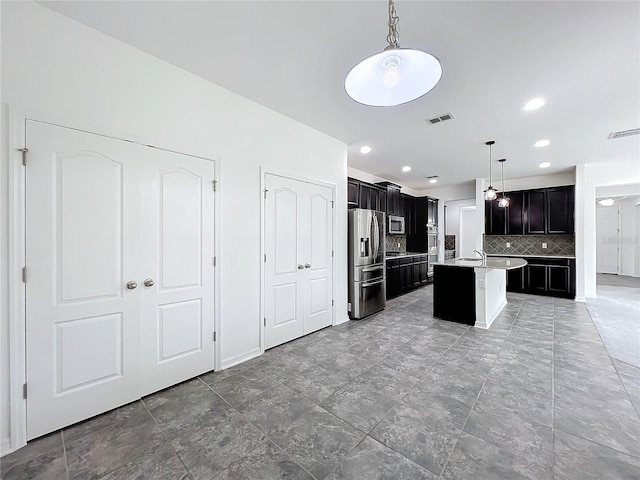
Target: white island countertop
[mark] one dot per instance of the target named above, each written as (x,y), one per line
(490,263)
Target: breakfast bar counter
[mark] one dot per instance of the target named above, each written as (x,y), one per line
(472,290)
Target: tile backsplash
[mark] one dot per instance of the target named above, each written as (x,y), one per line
(449,242)
(392,241)
(530,244)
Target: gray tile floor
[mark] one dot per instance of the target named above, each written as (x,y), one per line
(397,396)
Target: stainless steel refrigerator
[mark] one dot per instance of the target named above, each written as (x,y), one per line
(366,237)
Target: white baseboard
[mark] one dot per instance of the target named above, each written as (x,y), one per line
(238,359)
(5,447)
(580,299)
(340,321)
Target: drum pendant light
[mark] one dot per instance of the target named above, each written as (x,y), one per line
(395,75)
(504,200)
(490,193)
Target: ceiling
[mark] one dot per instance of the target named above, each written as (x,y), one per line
(583,58)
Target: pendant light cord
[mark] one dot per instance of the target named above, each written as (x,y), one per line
(502,168)
(394,37)
(490,169)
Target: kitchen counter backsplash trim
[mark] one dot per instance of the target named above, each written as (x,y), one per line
(557,245)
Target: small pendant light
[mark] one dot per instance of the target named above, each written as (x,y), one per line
(504,200)
(490,193)
(394,76)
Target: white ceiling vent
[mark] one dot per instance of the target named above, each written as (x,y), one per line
(441,118)
(624,133)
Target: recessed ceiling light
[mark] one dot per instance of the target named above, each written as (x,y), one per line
(365,149)
(406,169)
(606,202)
(541,143)
(534,104)
(433,179)
(544,165)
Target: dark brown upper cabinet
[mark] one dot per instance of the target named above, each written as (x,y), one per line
(541,211)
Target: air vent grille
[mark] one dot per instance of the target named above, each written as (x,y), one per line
(441,118)
(624,133)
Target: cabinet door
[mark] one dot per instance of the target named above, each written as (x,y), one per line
(559,209)
(393,200)
(558,279)
(406,277)
(393,279)
(515,211)
(536,278)
(365,200)
(515,280)
(424,266)
(382,200)
(495,218)
(353,192)
(535,209)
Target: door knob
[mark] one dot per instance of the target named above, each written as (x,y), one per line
(300,266)
(307,265)
(148,282)
(131,285)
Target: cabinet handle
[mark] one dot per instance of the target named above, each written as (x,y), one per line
(307,265)
(131,285)
(148,282)
(300,266)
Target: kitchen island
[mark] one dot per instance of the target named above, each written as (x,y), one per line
(472,290)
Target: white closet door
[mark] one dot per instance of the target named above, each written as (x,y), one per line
(299,267)
(177,271)
(82,328)
(318,278)
(607,239)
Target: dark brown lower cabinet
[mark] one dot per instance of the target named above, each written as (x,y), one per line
(554,277)
(405,274)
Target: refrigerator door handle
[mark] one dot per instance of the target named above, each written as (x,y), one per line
(376,236)
(371,284)
(372,269)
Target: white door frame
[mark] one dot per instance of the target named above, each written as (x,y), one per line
(16,194)
(264,171)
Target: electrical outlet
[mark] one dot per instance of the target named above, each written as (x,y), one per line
(508,244)
(544,245)
(398,244)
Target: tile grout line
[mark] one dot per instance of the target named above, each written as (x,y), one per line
(64,453)
(464,424)
(615,367)
(553,393)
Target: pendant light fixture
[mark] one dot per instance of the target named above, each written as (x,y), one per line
(504,200)
(490,193)
(395,75)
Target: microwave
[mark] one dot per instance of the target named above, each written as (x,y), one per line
(396,225)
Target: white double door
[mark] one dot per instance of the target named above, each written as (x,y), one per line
(607,239)
(120,279)
(299,259)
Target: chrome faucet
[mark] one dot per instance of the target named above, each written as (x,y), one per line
(482,254)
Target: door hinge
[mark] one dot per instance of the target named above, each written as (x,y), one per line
(24,155)
(265,258)
(214,261)
(265,321)
(333,253)
(214,336)
(332,204)
(265,193)
(215,184)
(24,391)
(332,302)
(24,274)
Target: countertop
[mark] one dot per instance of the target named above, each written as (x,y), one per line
(404,255)
(529,256)
(490,263)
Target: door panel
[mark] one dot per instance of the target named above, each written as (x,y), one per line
(177,249)
(82,324)
(607,238)
(319,275)
(282,307)
(101,213)
(299,267)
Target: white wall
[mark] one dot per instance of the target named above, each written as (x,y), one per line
(452,218)
(452,192)
(53,65)
(588,177)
